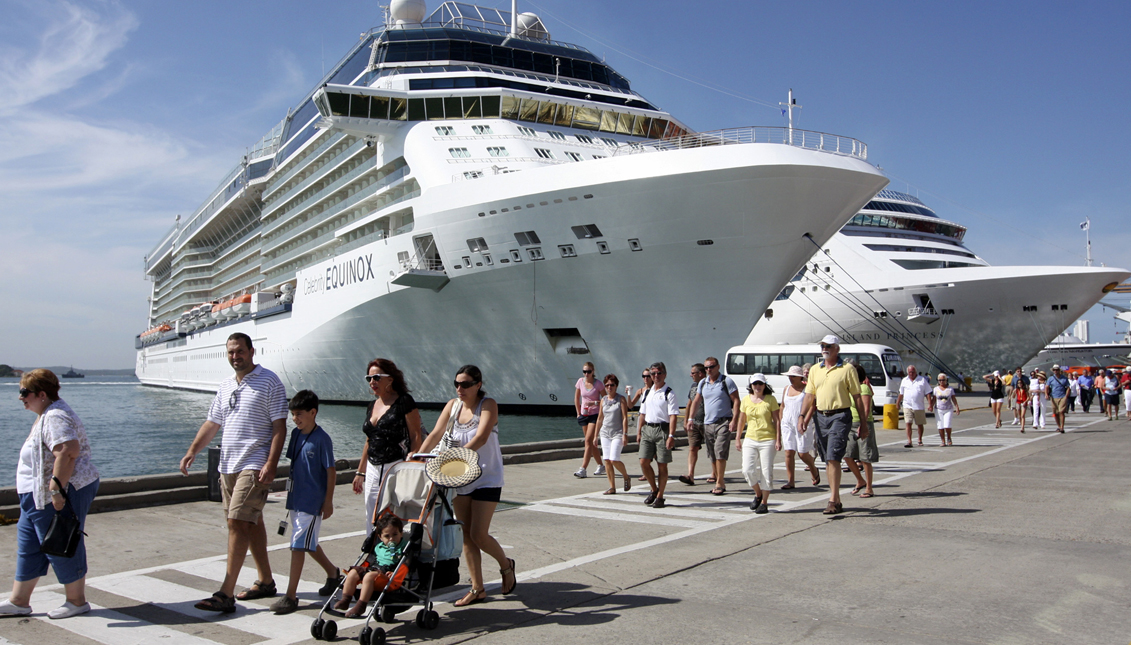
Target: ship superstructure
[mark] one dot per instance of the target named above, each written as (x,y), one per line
(463,189)
(899,274)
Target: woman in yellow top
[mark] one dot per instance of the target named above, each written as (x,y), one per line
(761,415)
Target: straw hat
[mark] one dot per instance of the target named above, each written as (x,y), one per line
(454,468)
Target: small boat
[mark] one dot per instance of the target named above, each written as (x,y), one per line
(73,374)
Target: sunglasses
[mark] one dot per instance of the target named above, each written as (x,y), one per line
(234,400)
(586,371)
(712,367)
(464,384)
(24,392)
(645,376)
(369,378)
(611,384)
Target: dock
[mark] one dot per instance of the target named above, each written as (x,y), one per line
(1002,538)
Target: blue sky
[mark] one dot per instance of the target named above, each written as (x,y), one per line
(1010,118)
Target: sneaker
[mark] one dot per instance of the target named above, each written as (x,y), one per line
(659,503)
(581,474)
(330,586)
(599,472)
(756,503)
(284,605)
(9,609)
(762,509)
(1015,422)
(68,610)
(650,499)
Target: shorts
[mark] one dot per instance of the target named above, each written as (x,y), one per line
(865,450)
(244,497)
(796,441)
(919,416)
(832,434)
(654,444)
(586,419)
(304,531)
(695,435)
(1060,405)
(718,439)
(992,401)
(943,418)
(1111,399)
(611,447)
(486,494)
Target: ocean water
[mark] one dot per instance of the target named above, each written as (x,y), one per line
(138,430)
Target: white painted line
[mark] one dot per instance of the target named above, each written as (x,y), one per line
(639,507)
(602,515)
(114,628)
(218,569)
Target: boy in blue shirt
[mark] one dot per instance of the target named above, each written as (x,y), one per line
(311,496)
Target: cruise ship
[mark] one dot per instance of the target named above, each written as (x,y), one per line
(1074,350)
(461,188)
(899,275)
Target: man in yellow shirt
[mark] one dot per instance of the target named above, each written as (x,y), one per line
(832,391)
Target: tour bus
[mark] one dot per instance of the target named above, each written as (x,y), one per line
(880,362)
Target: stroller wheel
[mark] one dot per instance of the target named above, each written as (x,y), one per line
(431,620)
(364,634)
(316,628)
(377,637)
(388,613)
(329,630)
(420,618)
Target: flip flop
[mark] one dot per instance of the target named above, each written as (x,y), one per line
(611,491)
(856,490)
(471,597)
(787,487)
(719,491)
(866,495)
(908,446)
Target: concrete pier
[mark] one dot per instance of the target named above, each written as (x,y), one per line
(1002,538)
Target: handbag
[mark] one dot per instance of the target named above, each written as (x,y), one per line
(63,535)
(448,441)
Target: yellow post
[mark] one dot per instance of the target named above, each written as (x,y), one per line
(891,417)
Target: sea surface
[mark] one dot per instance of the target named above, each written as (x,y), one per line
(139,430)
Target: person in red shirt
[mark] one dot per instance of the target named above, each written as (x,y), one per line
(1125,383)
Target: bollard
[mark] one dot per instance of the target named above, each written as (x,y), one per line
(891,417)
(214,494)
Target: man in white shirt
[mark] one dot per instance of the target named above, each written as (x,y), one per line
(251,407)
(658,414)
(913,391)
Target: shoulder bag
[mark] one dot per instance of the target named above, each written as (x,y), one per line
(449,441)
(63,535)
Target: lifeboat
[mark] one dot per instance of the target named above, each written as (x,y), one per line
(226,310)
(241,305)
(216,315)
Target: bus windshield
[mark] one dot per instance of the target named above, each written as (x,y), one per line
(894,365)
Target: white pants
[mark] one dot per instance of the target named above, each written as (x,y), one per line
(373,477)
(1038,413)
(758,463)
(1127,400)
(611,447)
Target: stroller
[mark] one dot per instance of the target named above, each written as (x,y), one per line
(435,542)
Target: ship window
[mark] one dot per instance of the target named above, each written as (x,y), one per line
(544,153)
(567,251)
(434,108)
(930,264)
(516,255)
(610,142)
(459,152)
(586,231)
(467,261)
(586,118)
(398,109)
(509,107)
(481,129)
(634,244)
(603,247)
(554,134)
(497,151)
(546,112)
(624,124)
(565,115)
(583,138)
(416,109)
(359,106)
(490,107)
(522,129)
(598,156)
(526,238)
(452,108)
(785,293)
(576,156)
(339,103)
(608,121)
(445,130)
(473,174)
(379,107)
(477,244)
(535,253)
(528,110)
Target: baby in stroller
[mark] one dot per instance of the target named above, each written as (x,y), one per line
(377,571)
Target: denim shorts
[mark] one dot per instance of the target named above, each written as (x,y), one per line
(33,525)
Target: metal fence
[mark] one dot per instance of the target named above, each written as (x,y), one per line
(822,141)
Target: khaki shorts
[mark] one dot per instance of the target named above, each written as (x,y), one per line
(654,444)
(1060,406)
(918,416)
(695,435)
(244,497)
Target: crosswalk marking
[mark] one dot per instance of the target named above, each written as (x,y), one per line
(622,517)
(637,506)
(106,626)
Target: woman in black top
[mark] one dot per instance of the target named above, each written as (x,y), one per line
(997,394)
(392,431)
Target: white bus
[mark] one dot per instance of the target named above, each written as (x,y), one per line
(880,362)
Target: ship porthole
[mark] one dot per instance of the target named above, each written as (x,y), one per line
(553,397)
(521,396)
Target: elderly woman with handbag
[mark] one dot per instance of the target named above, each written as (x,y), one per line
(56,483)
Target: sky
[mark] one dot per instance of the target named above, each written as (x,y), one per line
(1010,118)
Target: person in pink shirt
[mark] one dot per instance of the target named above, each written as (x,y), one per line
(587,402)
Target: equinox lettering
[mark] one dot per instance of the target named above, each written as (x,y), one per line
(351,272)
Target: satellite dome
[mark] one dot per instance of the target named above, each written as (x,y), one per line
(407,11)
(530,26)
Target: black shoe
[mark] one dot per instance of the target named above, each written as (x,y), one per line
(659,503)
(756,503)
(330,586)
(684,479)
(650,499)
(762,509)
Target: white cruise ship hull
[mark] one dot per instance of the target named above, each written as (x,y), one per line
(1002,316)
(695,214)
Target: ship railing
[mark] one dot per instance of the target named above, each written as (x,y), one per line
(922,311)
(822,141)
(215,201)
(424,264)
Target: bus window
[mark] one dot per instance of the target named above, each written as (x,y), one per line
(764,363)
(894,365)
(736,364)
(873,368)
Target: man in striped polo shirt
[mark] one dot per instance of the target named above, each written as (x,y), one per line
(251,407)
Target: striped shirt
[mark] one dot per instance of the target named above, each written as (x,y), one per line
(245,410)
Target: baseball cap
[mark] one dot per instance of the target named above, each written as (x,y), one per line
(1056,367)
(757,378)
(830,340)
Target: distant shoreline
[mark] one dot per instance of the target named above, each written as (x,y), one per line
(61,369)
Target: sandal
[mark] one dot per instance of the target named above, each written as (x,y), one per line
(788,487)
(503,572)
(866,495)
(218,601)
(833,508)
(611,491)
(627,483)
(471,597)
(816,477)
(258,590)
(710,480)
(719,491)
(357,612)
(856,490)
(908,445)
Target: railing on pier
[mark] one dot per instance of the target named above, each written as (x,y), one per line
(808,139)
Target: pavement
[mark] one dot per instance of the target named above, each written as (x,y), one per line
(1002,538)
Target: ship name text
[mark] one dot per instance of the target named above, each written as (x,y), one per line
(341,274)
